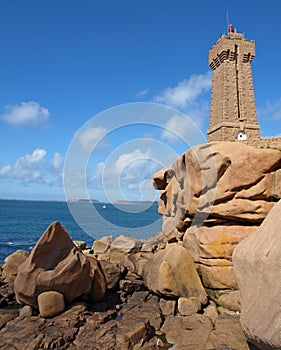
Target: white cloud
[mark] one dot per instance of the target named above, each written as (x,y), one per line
(127,174)
(37,156)
(182,128)
(57,161)
(127,159)
(186,91)
(142,93)
(5,170)
(25,113)
(27,168)
(190,96)
(89,137)
(34,168)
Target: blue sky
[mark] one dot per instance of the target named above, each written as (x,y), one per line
(66,66)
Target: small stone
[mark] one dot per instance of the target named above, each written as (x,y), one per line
(230,300)
(26,311)
(125,245)
(151,244)
(98,288)
(135,262)
(11,264)
(211,312)
(50,304)
(224,311)
(167,307)
(111,272)
(159,332)
(130,286)
(101,246)
(188,306)
(88,251)
(149,247)
(133,332)
(81,245)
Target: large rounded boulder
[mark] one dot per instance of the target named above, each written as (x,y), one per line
(55,264)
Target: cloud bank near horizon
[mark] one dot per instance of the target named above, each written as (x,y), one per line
(33,168)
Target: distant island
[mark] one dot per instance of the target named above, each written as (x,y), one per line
(132,202)
(83,201)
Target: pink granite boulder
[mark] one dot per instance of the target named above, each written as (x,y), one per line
(55,264)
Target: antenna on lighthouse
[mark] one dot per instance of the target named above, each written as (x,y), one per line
(230,27)
(227,20)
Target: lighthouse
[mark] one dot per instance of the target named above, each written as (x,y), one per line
(233,108)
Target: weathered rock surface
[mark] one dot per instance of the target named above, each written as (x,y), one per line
(213,197)
(138,325)
(188,306)
(11,264)
(220,180)
(36,332)
(197,332)
(99,284)
(257,265)
(55,263)
(125,245)
(172,272)
(7,295)
(187,333)
(112,273)
(127,317)
(212,248)
(101,246)
(230,300)
(227,334)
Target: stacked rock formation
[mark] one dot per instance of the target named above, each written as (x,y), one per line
(213,197)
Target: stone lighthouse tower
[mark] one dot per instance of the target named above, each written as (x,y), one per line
(233,108)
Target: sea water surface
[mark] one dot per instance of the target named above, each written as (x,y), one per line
(23,222)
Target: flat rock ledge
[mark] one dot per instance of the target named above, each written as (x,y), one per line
(138,323)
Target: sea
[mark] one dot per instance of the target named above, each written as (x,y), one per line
(23,222)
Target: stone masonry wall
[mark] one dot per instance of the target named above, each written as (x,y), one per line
(265,142)
(230,131)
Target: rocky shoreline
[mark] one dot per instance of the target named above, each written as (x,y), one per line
(208,281)
(129,316)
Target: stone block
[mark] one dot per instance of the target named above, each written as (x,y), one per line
(188,306)
(50,304)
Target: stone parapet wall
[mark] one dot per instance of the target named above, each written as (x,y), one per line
(265,142)
(229,132)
